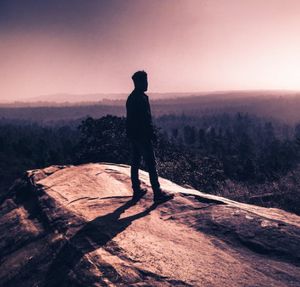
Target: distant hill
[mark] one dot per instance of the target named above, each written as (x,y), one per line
(75,98)
(283,105)
(117,98)
(66,98)
(100,97)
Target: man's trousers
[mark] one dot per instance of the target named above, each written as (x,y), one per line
(143,149)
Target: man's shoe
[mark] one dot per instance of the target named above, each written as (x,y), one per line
(162,196)
(139,193)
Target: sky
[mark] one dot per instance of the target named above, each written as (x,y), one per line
(94,46)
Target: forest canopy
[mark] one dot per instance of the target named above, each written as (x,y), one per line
(241,156)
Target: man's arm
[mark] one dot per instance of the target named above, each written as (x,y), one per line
(134,118)
(149,120)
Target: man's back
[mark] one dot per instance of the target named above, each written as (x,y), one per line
(138,120)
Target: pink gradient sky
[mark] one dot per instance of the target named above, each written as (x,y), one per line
(185,45)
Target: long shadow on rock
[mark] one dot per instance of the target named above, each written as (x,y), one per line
(93,235)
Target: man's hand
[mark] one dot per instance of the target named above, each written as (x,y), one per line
(154,139)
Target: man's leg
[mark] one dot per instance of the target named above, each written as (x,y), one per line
(135,165)
(149,157)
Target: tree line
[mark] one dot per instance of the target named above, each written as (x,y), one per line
(238,156)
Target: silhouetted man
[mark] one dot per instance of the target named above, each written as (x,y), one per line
(140,131)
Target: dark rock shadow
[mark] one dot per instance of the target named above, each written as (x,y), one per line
(93,235)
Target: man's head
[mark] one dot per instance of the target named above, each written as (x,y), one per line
(140,81)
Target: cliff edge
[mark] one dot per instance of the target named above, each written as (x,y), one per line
(77,226)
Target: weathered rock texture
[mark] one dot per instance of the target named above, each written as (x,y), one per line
(76,226)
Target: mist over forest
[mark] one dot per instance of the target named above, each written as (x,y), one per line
(278,105)
(242,145)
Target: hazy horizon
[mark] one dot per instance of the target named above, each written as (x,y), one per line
(190,46)
(67,98)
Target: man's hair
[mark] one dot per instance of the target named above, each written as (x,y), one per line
(139,76)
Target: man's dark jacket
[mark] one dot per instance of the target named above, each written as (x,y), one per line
(139,120)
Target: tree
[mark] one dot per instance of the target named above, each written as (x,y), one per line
(103,140)
(189,135)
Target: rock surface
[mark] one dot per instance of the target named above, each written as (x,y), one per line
(76,226)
